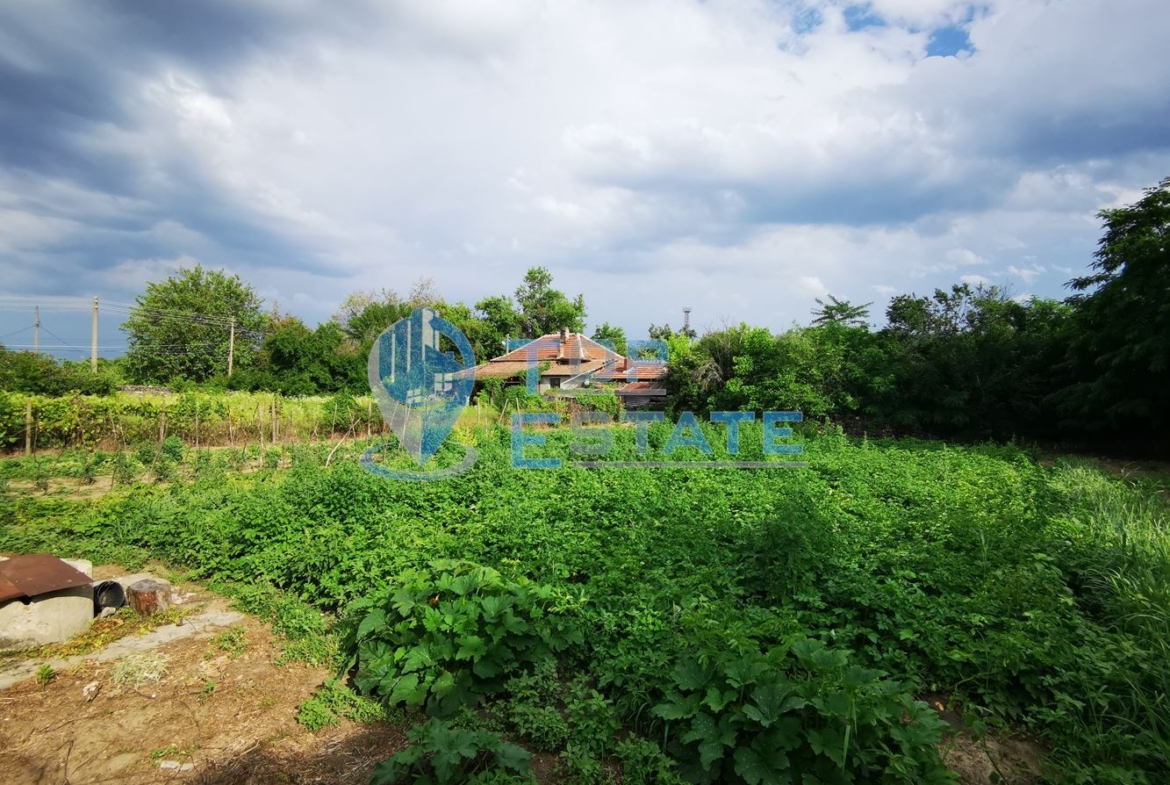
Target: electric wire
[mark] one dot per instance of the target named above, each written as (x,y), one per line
(16,332)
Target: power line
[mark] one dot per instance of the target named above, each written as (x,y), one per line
(198,318)
(115,346)
(55,303)
(62,340)
(16,332)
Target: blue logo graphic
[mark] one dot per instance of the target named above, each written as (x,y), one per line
(421,390)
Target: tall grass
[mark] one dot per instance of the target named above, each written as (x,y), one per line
(1119,552)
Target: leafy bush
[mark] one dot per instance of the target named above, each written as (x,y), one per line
(556,714)
(644,764)
(334,701)
(447,635)
(797,714)
(172,449)
(444,755)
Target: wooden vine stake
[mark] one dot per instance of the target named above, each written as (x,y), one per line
(149,596)
(28,427)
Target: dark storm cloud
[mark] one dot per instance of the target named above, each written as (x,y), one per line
(77,73)
(75,86)
(1056,137)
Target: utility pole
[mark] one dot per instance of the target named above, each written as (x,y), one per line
(231,345)
(93,339)
(37,330)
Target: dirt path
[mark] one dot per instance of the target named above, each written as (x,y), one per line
(216,716)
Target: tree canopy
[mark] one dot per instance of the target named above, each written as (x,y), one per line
(615,337)
(841,312)
(1121,343)
(544,309)
(180,327)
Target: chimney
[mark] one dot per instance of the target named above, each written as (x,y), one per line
(564,333)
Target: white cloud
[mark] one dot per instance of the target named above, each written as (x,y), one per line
(964,257)
(131,272)
(813,284)
(651,154)
(974,280)
(922,13)
(1029,274)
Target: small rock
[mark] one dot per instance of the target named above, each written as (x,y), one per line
(179,599)
(174,764)
(107,611)
(90,691)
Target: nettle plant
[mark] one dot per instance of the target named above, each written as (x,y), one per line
(447,636)
(441,754)
(800,714)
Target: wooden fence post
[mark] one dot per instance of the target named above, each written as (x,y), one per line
(28,427)
(369,418)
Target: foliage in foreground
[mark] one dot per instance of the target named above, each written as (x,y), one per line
(441,754)
(1033,598)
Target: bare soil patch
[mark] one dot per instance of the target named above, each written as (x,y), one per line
(231,715)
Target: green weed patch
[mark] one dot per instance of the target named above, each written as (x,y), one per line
(694,611)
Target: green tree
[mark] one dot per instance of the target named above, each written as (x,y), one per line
(296,360)
(499,320)
(616,337)
(180,327)
(1121,345)
(29,372)
(544,309)
(665,333)
(363,316)
(970,362)
(841,312)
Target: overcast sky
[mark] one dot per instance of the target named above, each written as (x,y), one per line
(738,157)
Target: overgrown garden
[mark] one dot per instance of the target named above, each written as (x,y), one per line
(759,626)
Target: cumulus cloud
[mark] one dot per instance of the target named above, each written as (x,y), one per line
(738,156)
(964,257)
(1029,274)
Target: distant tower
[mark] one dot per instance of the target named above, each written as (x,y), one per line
(686,318)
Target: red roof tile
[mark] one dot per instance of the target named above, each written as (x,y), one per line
(641,388)
(549,348)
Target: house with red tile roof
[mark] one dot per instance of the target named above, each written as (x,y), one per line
(568,361)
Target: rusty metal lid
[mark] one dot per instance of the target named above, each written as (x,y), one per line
(8,590)
(36,574)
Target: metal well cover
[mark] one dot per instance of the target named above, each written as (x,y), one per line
(36,574)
